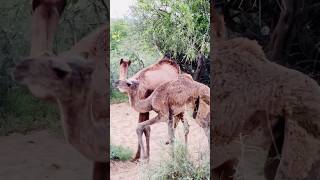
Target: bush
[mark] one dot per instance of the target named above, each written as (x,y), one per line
(120,153)
(180,167)
(117,97)
(23,113)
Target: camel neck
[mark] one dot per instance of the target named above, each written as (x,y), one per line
(80,131)
(74,115)
(140,105)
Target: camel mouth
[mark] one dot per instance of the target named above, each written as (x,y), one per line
(20,70)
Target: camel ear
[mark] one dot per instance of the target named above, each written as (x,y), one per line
(61,69)
(121,61)
(131,82)
(46,54)
(135,82)
(84,55)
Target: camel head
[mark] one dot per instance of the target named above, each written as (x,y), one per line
(55,78)
(123,69)
(129,86)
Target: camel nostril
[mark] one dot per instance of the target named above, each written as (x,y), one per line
(20,69)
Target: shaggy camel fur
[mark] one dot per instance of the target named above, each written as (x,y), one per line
(150,78)
(168,100)
(76,80)
(202,116)
(262,104)
(148,74)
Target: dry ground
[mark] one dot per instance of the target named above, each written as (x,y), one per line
(40,155)
(123,123)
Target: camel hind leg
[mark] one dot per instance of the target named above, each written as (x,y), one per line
(177,119)
(185,127)
(171,129)
(300,157)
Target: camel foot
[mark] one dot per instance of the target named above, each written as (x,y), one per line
(145,159)
(168,142)
(134,160)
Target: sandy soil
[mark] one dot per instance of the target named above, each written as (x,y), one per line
(123,123)
(40,156)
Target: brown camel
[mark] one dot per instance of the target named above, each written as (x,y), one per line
(168,100)
(123,69)
(202,116)
(150,78)
(262,104)
(76,80)
(45,20)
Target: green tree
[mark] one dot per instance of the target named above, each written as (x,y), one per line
(180,27)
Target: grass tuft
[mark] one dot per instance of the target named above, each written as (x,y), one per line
(118,97)
(120,153)
(179,167)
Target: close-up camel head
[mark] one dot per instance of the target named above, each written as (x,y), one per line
(55,78)
(129,86)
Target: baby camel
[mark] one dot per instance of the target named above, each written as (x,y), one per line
(261,104)
(168,100)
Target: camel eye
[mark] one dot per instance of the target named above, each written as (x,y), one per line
(60,73)
(129,84)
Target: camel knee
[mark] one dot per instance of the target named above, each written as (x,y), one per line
(139,129)
(147,131)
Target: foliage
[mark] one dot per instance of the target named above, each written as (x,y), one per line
(127,44)
(179,167)
(117,97)
(23,113)
(120,153)
(178,27)
(257,20)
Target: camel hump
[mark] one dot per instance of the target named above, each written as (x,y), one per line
(171,63)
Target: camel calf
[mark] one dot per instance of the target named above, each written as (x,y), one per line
(168,100)
(262,104)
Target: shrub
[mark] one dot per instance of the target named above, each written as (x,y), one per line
(23,113)
(120,153)
(179,167)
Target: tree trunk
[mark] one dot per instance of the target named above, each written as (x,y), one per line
(200,66)
(280,36)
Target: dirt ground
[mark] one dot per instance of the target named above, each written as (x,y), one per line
(123,123)
(40,155)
